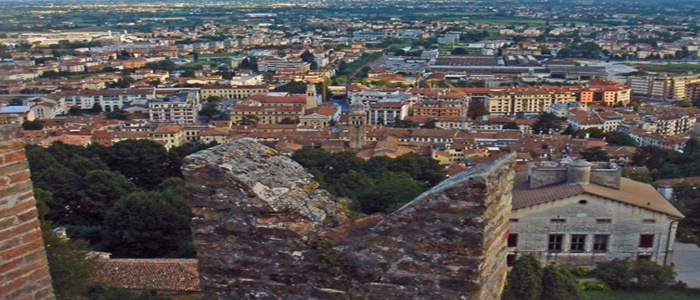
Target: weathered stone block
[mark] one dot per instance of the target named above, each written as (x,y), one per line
(260,225)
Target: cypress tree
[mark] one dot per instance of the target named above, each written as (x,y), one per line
(525,279)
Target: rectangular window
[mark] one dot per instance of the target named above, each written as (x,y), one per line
(649,220)
(514,220)
(555,241)
(600,242)
(646,241)
(578,242)
(603,221)
(557,220)
(513,240)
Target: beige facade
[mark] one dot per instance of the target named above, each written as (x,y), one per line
(169,136)
(179,108)
(663,86)
(512,102)
(237,92)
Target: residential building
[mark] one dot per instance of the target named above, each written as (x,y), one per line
(438,109)
(109,99)
(527,100)
(663,86)
(387,112)
(582,213)
(236,92)
(169,136)
(605,121)
(274,108)
(181,108)
(608,93)
(272,64)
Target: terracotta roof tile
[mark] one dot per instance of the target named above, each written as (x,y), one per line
(150,274)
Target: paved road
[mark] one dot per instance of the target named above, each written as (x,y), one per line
(686,258)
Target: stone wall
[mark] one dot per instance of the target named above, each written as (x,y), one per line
(24,270)
(263,231)
(606,174)
(548,173)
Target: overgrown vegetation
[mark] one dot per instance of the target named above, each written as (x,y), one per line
(378,185)
(529,281)
(128,199)
(641,275)
(330,259)
(663,163)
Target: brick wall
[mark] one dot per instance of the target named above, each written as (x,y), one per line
(24,270)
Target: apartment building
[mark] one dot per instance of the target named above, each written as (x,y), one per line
(531,100)
(605,121)
(275,108)
(528,100)
(235,92)
(437,109)
(608,93)
(663,86)
(181,108)
(272,64)
(109,99)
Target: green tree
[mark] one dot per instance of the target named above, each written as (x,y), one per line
(75,111)
(388,193)
(650,276)
(32,125)
(595,133)
(524,280)
(40,160)
(548,123)
(692,146)
(307,57)
(459,51)
(292,87)
(476,109)
(144,162)
(559,284)
(117,115)
(311,158)
(71,266)
(617,274)
(210,110)
(618,138)
(148,224)
(105,188)
(288,120)
(426,170)
(96,108)
(249,120)
(102,291)
(63,183)
(595,154)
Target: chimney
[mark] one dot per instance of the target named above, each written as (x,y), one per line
(666,191)
(579,172)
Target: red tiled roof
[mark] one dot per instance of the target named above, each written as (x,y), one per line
(150,274)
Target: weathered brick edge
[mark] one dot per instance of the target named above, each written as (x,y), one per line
(24,270)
